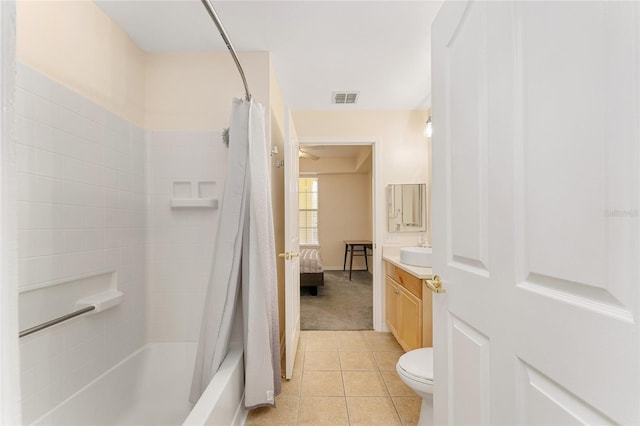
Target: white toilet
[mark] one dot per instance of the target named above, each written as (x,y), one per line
(415,368)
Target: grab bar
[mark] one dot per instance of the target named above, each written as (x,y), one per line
(55,321)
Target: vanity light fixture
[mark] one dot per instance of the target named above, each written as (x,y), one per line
(428,128)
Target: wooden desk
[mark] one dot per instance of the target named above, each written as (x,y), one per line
(356,248)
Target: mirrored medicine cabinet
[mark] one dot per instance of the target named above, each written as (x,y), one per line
(406,207)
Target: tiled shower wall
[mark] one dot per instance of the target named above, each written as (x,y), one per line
(182,164)
(81,210)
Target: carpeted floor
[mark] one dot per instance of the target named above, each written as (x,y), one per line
(341,304)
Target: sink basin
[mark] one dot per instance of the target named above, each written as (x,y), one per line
(416,256)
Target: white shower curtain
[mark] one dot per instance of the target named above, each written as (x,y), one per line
(244,263)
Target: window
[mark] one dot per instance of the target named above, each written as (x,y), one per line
(308,208)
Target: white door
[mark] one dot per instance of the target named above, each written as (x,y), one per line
(291,244)
(536,115)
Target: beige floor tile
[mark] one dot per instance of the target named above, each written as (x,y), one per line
(383,342)
(387,360)
(321,361)
(315,334)
(323,411)
(372,411)
(322,344)
(322,383)
(302,343)
(285,413)
(408,408)
(292,387)
(363,383)
(395,385)
(351,334)
(357,360)
(352,342)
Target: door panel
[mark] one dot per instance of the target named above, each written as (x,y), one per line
(470,393)
(291,245)
(542,401)
(466,92)
(536,112)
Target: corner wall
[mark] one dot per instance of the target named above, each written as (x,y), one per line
(344,213)
(99,60)
(188,104)
(81,177)
(404,151)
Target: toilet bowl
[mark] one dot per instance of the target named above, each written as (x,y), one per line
(415,369)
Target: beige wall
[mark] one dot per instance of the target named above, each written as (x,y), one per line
(403,150)
(344,213)
(77,45)
(194,91)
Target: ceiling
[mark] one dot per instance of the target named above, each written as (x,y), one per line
(339,151)
(336,159)
(378,48)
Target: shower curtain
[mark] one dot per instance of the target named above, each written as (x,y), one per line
(244,264)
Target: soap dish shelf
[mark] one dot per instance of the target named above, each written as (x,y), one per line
(209,203)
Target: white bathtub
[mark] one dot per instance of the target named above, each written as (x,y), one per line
(151,387)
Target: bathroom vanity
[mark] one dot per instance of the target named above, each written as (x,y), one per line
(407,302)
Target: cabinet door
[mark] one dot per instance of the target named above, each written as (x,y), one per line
(410,325)
(391,305)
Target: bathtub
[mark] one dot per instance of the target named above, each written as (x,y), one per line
(151,387)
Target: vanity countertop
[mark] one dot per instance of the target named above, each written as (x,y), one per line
(418,271)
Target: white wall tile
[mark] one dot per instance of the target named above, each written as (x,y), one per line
(35,270)
(96,175)
(74,264)
(95,260)
(95,217)
(38,215)
(95,196)
(39,189)
(95,153)
(20,101)
(44,110)
(73,334)
(25,131)
(28,243)
(25,158)
(74,240)
(46,137)
(95,239)
(62,230)
(75,170)
(49,164)
(180,242)
(74,217)
(74,193)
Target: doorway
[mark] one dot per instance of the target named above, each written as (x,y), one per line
(336,205)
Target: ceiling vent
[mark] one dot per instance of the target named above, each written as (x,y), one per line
(344,97)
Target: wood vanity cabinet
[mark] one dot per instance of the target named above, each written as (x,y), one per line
(404,307)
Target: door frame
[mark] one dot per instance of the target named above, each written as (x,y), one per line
(376,199)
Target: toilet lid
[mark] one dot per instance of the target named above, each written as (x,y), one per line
(418,364)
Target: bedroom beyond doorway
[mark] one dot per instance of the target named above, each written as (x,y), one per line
(336,205)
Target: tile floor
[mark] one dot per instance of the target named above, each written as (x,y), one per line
(343,378)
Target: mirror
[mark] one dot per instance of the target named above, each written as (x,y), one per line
(406,207)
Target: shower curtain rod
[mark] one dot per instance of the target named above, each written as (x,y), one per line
(216,20)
